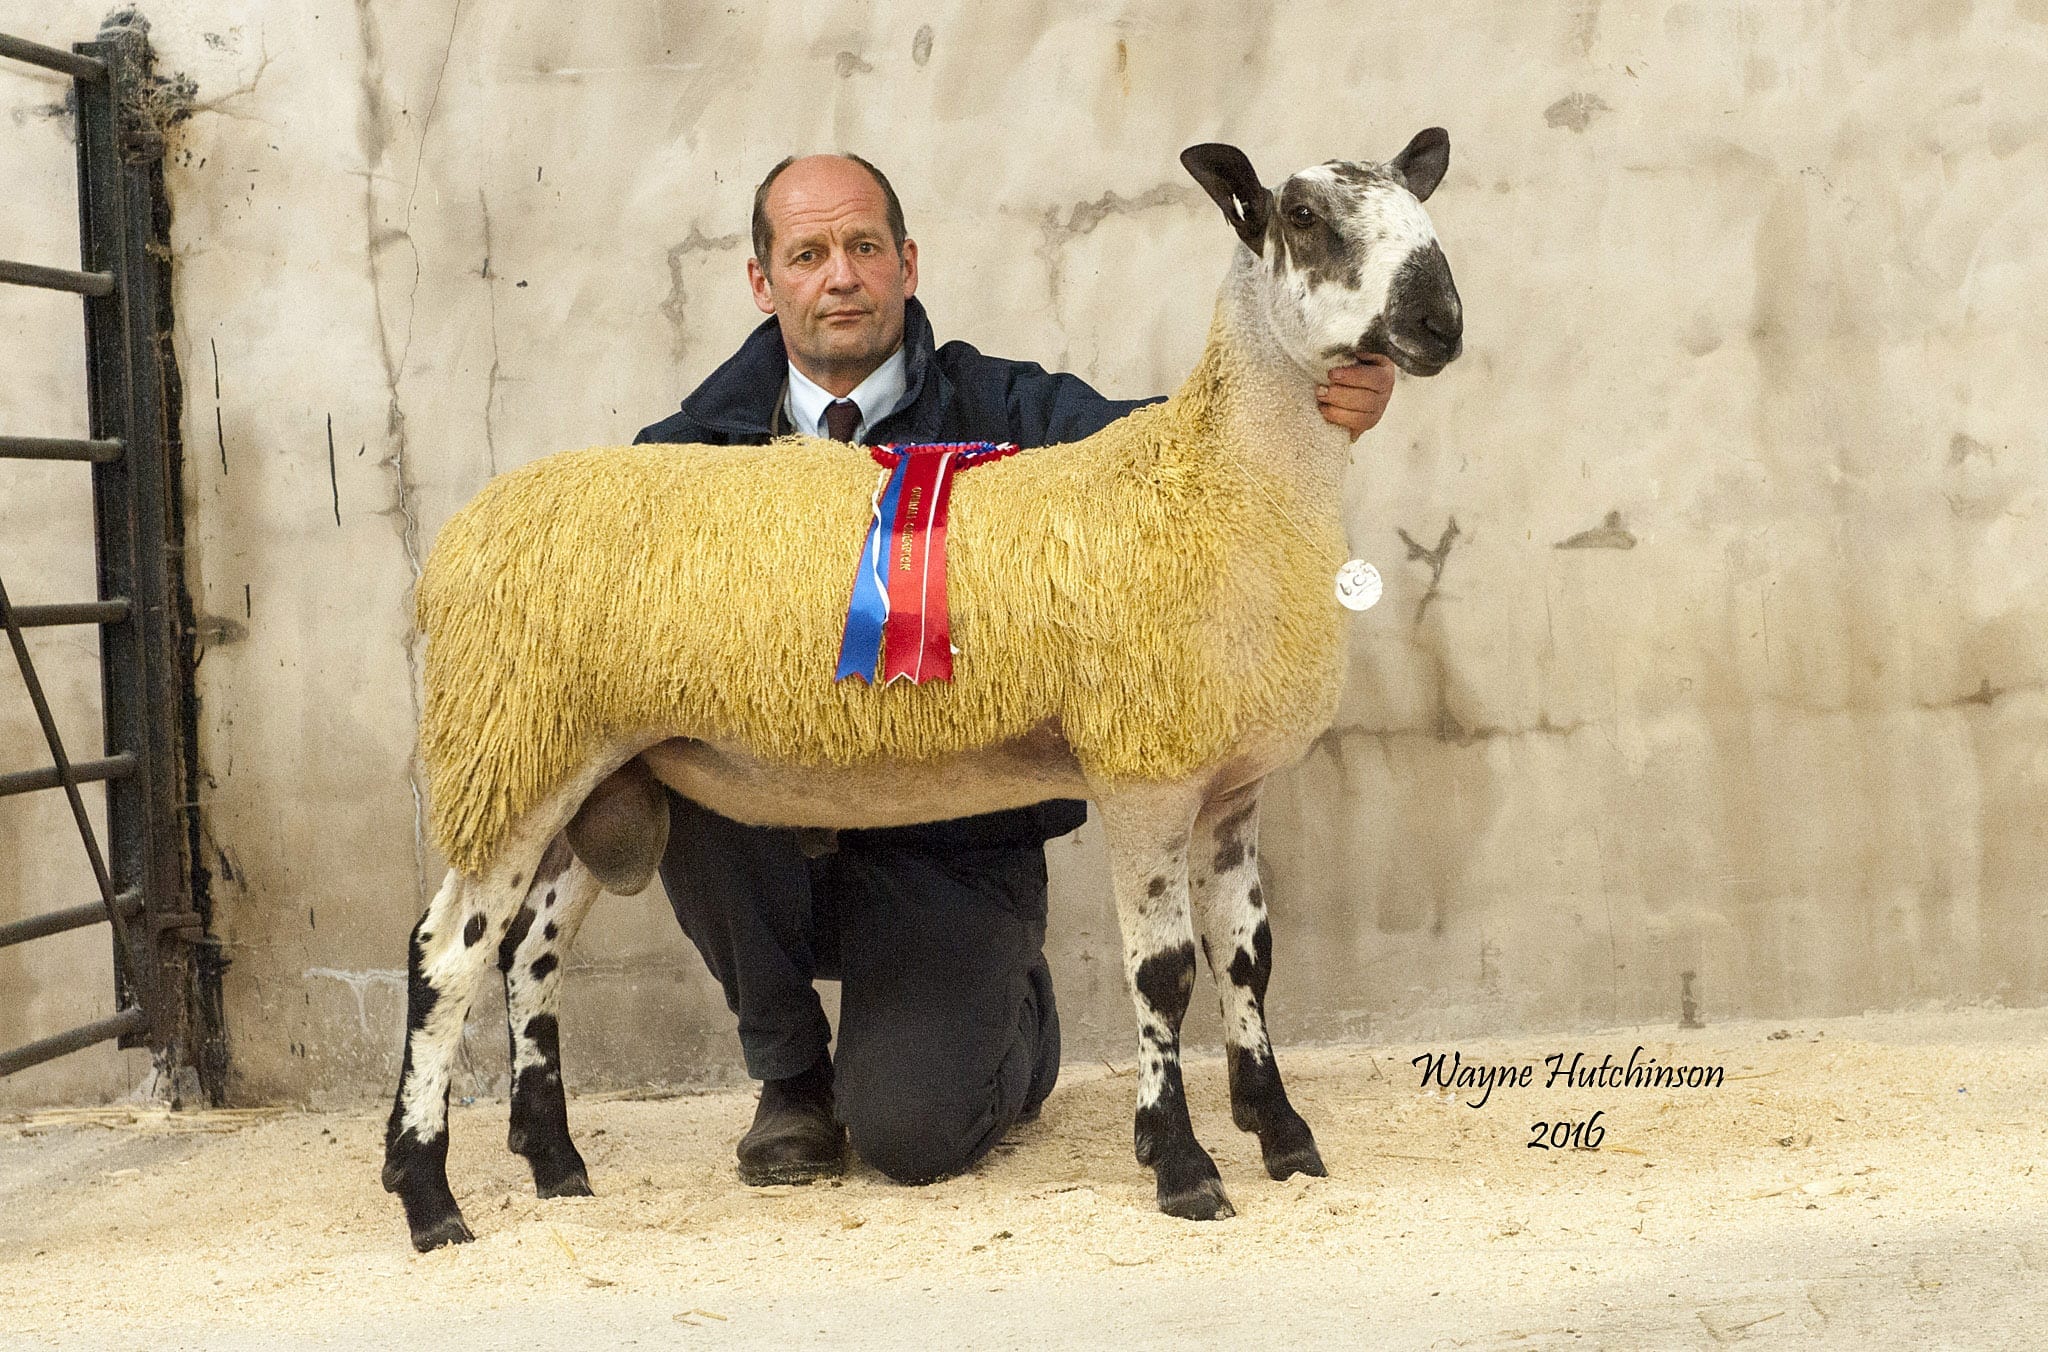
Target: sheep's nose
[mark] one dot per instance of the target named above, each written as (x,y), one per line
(1442,321)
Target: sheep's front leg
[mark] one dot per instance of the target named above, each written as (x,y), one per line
(530,957)
(1230,912)
(1148,838)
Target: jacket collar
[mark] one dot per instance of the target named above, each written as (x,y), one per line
(743,397)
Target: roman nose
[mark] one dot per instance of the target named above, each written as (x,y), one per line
(1443,320)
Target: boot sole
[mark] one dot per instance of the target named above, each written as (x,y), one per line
(773,1175)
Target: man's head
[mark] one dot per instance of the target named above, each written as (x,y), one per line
(833,265)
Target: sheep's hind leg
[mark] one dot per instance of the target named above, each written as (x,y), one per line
(447,954)
(443,959)
(1148,834)
(1230,911)
(530,957)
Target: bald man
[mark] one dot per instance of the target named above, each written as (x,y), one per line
(948,1033)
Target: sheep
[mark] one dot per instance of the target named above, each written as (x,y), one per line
(1143,618)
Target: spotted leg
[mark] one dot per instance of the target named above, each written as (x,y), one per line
(447,955)
(1230,912)
(531,956)
(1147,831)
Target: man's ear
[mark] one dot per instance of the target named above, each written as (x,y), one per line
(757,280)
(1229,178)
(909,268)
(1422,165)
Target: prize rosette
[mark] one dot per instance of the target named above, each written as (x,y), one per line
(896,620)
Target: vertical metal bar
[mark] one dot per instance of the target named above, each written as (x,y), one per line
(131,378)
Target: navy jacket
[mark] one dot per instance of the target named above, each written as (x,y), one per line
(953,393)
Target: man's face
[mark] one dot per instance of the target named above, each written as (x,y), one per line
(834,281)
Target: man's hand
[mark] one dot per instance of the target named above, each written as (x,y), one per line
(1357,395)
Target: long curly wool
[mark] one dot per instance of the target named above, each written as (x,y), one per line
(1148,587)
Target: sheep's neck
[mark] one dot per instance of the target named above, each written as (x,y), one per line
(1249,400)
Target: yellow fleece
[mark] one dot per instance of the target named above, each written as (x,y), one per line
(1150,588)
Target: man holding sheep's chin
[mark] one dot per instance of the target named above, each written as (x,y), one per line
(947,1030)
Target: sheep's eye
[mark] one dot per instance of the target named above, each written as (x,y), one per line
(1301,216)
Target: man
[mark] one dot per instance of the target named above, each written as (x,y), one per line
(947,1031)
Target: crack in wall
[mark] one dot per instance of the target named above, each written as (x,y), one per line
(407,516)
(419,164)
(1435,558)
(1449,731)
(1983,697)
(219,428)
(402,509)
(491,293)
(675,308)
(217,105)
(1084,217)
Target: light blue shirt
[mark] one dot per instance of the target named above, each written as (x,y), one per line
(880,395)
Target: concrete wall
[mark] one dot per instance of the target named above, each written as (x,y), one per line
(1731,664)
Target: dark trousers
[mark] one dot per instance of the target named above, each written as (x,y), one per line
(947,1032)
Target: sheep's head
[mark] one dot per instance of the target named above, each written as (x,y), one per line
(1350,259)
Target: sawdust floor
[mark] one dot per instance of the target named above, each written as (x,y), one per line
(1863,1182)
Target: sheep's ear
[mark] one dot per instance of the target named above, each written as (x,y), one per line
(1421,166)
(1229,178)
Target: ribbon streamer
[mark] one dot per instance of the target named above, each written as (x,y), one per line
(897,619)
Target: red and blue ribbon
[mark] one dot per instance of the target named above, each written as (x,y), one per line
(897,618)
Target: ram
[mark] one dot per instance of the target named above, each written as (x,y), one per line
(1144,618)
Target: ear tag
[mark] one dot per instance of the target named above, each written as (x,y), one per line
(1358,585)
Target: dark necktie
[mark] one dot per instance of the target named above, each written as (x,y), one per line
(841,417)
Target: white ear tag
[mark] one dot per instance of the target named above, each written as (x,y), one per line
(1358,585)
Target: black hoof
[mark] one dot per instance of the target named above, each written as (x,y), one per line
(558,1168)
(1290,1149)
(1302,1159)
(574,1183)
(417,1171)
(1202,1202)
(449,1229)
(1191,1189)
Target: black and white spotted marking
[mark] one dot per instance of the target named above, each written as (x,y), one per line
(445,957)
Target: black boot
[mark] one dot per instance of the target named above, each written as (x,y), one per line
(795,1138)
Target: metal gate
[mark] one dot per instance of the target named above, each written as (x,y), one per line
(151,889)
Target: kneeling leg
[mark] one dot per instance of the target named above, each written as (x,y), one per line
(947,1031)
